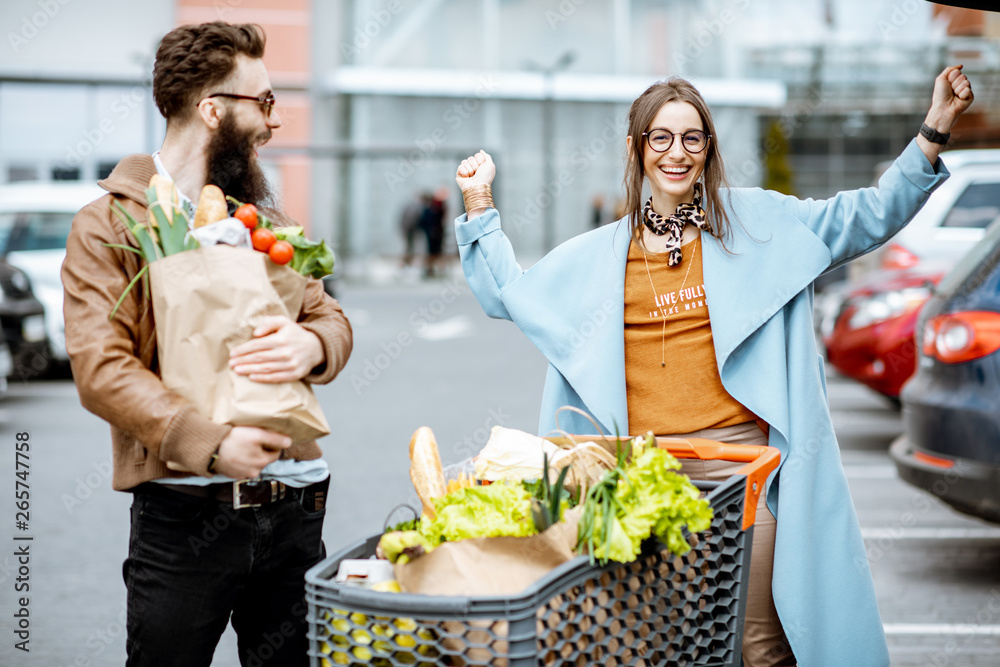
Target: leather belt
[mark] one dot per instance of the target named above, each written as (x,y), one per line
(255,492)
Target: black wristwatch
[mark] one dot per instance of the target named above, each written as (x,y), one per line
(932,135)
(212,461)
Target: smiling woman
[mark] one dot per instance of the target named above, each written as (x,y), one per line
(662,113)
(710,336)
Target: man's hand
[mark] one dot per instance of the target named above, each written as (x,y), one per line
(247,449)
(280,351)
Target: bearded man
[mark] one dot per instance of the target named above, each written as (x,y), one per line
(184,581)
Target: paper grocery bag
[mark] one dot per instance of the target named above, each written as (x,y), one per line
(205,303)
(491,565)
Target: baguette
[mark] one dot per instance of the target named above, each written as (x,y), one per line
(166,195)
(211,206)
(426,472)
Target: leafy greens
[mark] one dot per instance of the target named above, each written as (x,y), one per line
(639,499)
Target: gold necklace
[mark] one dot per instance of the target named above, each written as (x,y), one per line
(663,333)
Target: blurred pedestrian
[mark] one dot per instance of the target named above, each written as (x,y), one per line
(597,211)
(432,223)
(410,222)
(225,519)
(692,317)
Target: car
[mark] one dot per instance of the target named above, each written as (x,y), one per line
(885,287)
(23,323)
(6,363)
(952,220)
(872,338)
(950,223)
(35,219)
(970,157)
(950,444)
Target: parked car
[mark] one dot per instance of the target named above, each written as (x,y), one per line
(35,220)
(950,223)
(23,323)
(953,219)
(867,323)
(951,406)
(6,363)
(872,340)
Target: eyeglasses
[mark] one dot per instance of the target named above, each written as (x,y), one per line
(266,102)
(693,141)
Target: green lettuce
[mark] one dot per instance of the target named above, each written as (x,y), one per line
(311,258)
(480,511)
(286,233)
(649,498)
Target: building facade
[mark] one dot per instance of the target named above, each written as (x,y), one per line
(381,98)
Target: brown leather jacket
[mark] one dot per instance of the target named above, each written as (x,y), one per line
(115,362)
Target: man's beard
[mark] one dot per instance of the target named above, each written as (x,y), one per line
(232,163)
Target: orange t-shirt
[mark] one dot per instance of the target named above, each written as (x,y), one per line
(686,394)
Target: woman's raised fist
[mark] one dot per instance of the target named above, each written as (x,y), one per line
(952,96)
(475,170)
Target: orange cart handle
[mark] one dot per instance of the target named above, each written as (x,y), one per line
(760,462)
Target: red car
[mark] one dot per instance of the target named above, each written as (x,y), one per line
(873,337)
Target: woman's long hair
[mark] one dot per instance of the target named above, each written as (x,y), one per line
(640,117)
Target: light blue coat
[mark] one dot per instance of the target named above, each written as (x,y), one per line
(760,297)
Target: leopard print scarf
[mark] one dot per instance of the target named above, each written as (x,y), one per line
(673,225)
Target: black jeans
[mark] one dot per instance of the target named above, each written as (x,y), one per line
(193,562)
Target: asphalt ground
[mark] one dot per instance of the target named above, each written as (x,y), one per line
(426,356)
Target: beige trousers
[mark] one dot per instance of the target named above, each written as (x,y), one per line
(764,642)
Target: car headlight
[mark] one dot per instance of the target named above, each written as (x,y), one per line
(15,286)
(19,281)
(33,328)
(876,308)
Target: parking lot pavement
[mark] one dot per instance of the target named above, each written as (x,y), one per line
(935,570)
(425,355)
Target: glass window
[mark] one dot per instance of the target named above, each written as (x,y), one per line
(975,266)
(21,172)
(104,169)
(60,173)
(977,207)
(34,231)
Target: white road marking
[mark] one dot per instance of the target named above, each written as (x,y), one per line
(940,629)
(931,533)
(455,327)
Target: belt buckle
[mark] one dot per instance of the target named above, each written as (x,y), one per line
(237,503)
(277,490)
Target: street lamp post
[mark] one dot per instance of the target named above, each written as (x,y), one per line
(548,136)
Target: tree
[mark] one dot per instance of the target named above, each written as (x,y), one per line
(777,170)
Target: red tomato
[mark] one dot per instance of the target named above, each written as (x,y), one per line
(247,214)
(281,252)
(263,239)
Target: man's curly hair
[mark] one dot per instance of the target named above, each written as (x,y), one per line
(193,58)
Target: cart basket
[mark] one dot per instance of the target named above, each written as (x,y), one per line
(661,609)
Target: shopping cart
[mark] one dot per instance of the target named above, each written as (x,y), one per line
(661,609)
